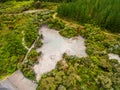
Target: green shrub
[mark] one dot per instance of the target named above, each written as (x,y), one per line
(55,0)
(56,24)
(33,56)
(28,71)
(89,73)
(69,32)
(101,12)
(14,7)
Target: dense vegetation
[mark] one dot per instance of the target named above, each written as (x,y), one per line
(27,67)
(14,7)
(101,12)
(15,26)
(12,50)
(81,74)
(63,29)
(55,0)
(93,72)
(90,73)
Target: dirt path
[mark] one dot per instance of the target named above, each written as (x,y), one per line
(29,49)
(17,82)
(28,12)
(23,41)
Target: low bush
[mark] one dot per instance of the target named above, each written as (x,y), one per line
(93,72)
(69,32)
(56,24)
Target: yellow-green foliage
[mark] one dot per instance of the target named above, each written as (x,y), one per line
(90,73)
(12,50)
(56,24)
(64,30)
(14,7)
(81,73)
(58,1)
(14,27)
(98,41)
(69,32)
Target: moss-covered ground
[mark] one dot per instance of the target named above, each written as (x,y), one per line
(95,72)
(13,23)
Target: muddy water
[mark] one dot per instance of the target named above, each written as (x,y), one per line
(54,45)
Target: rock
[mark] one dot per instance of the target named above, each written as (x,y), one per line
(61,87)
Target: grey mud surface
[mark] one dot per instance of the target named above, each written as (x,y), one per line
(17,82)
(54,46)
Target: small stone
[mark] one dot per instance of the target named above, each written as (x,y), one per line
(61,87)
